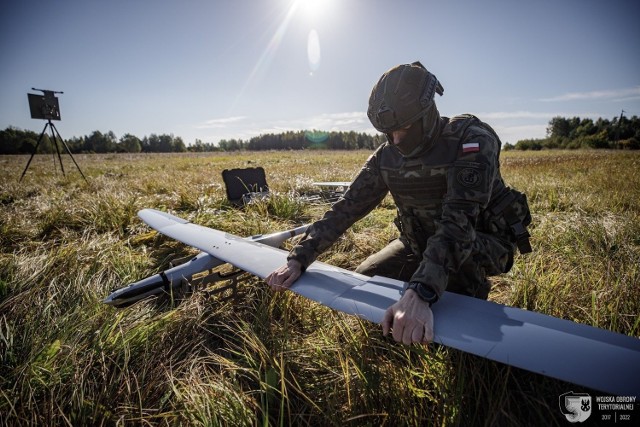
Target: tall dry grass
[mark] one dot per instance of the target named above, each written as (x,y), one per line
(265,359)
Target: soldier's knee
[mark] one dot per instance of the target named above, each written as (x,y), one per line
(482,290)
(367,268)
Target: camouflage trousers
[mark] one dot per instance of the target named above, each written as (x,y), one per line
(490,256)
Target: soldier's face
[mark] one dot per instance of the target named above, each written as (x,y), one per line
(406,139)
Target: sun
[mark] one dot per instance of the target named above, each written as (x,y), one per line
(312,8)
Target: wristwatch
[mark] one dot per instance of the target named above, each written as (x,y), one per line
(424,292)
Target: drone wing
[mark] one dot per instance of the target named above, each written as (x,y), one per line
(569,351)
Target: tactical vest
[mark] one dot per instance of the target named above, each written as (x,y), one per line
(419,185)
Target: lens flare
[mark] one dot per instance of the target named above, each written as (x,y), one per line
(313,51)
(316,136)
(266,58)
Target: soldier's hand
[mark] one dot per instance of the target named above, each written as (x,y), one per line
(284,276)
(410,319)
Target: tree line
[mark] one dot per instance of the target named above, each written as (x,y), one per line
(301,140)
(18,141)
(563,133)
(572,133)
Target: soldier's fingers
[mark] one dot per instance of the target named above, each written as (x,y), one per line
(398,330)
(407,334)
(272,280)
(293,276)
(275,279)
(428,334)
(417,334)
(387,321)
(278,283)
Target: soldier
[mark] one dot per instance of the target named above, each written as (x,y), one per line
(458,221)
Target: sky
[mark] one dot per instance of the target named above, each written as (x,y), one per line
(225,69)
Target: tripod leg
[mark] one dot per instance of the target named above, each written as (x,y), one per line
(35,150)
(55,143)
(69,151)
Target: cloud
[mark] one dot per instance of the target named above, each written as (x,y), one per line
(533,116)
(506,115)
(613,95)
(513,134)
(240,127)
(347,121)
(220,123)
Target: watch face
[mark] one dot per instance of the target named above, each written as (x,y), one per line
(415,286)
(426,293)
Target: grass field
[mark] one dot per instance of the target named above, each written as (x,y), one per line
(278,359)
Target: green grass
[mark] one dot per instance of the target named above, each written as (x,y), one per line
(277,359)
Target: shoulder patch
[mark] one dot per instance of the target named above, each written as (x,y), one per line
(470,147)
(469,177)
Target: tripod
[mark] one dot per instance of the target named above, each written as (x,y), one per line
(52,128)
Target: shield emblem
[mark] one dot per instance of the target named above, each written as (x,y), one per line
(576,407)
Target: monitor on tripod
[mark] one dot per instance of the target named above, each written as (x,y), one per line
(45,106)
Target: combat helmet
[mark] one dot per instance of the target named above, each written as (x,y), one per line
(403,95)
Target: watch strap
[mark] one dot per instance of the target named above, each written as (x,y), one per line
(424,292)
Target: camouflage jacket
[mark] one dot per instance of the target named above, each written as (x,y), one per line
(440,194)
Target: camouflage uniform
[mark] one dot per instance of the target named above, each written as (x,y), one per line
(458,221)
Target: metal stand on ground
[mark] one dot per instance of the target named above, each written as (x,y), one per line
(55,137)
(46,107)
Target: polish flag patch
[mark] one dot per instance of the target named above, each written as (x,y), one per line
(470,147)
